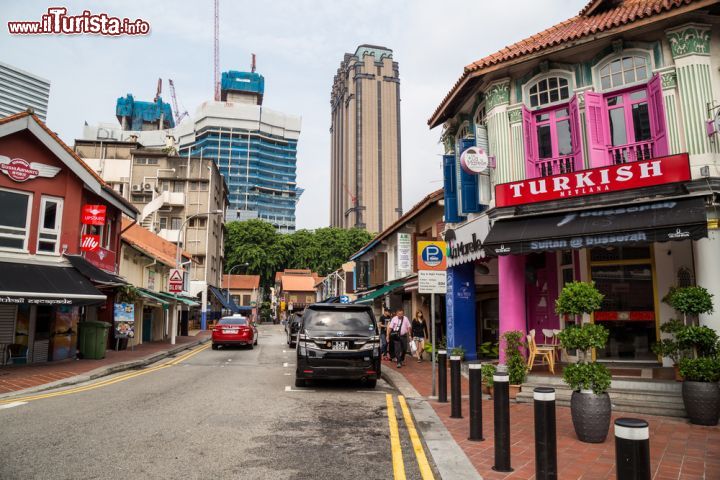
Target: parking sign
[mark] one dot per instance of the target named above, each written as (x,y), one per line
(431,256)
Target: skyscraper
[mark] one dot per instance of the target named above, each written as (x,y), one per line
(365,175)
(20,90)
(254,147)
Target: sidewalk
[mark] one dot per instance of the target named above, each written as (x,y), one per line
(678,450)
(15,378)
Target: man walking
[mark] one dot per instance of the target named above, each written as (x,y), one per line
(383,321)
(398,332)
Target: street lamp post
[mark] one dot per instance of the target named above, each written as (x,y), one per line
(230,273)
(181,235)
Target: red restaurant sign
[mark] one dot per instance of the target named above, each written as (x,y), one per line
(614,178)
(90,243)
(93,214)
(20,170)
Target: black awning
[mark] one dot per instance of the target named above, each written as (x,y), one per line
(634,224)
(45,285)
(95,274)
(227,304)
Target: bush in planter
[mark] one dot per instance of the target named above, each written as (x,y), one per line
(701,373)
(514,359)
(689,301)
(671,347)
(578,298)
(587,376)
(458,351)
(701,340)
(487,370)
(584,338)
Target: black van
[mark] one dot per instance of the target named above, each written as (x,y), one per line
(338,341)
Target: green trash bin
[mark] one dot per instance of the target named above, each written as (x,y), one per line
(92,339)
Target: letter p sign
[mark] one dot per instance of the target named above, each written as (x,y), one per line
(431,256)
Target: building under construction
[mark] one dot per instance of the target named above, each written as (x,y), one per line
(137,116)
(254,147)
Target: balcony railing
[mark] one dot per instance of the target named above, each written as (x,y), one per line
(554,166)
(632,152)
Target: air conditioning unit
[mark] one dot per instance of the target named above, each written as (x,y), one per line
(137,188)
(148,187)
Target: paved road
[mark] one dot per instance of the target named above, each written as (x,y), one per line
(216,414)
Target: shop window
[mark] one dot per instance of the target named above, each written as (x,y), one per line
(246,300)
(175,223)
(626,126)
(549,90)
(623,71)
(14,219)
(49,225)
(552,140)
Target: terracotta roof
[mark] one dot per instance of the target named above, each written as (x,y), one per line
(105,186)
(296,272)
(149,243)
(416,209)
(597,16)
(297,283)
(241,282)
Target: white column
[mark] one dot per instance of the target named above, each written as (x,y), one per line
(203,318)
(707,274)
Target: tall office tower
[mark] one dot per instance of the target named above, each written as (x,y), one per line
(254,147)
(365,175)
(20,90)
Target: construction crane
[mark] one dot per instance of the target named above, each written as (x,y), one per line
(216,64)
(178,116)
(353,198)
(159,89)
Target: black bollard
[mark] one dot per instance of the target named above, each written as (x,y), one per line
(545,434)
(632,449)
(455,387)
(442,376)
(476,428)
(501,396)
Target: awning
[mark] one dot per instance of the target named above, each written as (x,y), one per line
(170,297)
(222,298)
(95,274)
(154,296)
(380,292)
(22,283)
(633,224)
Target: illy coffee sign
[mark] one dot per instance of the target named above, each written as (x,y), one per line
(625,176)
(20,170)
(90,243)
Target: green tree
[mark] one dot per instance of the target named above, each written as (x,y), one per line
(256,243)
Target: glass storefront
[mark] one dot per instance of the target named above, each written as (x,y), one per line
(625,277)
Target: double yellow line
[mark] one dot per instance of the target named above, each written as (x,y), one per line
(110,381)
(397,457)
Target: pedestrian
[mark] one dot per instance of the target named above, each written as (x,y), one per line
(398,332)
(419,334)
(382,324)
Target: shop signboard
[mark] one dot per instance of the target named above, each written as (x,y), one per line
(93,214)
(175,281)
(432,281)
(20,170)
(613,178)
(89,243)
(465,243)
(404,251)
(102,258)
(431,255)
(124,320)
(474,160)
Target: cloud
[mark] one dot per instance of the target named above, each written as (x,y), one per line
(299,43)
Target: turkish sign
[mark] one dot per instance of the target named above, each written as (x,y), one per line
(21,170)
(626,176)
(93,214)
(89,243)
(474,160)
(431,255)
(432,281)
(404,252)
(175,281)
(124,320)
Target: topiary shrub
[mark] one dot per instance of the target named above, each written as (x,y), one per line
(587,376)
(514,359)
(578,298)
(690,301)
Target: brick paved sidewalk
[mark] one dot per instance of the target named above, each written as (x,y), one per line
(678,450)
(19,377)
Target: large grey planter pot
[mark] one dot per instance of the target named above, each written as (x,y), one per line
(702,402)
(590,416)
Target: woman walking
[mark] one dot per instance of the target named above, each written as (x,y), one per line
(419,333)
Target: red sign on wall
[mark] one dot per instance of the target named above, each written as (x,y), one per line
(102,258)
(93,214)
(20,170)
(626,176)
(90,243)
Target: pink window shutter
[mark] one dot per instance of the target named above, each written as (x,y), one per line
(576,133)
(529,142)
(596,130)
(657,117)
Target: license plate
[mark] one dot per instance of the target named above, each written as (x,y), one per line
(230,332)
(340,345)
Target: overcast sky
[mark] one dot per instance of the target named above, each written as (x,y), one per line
(299,46)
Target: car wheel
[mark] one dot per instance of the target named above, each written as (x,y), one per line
(214,346)
(250,346)
(256,340)
(299,382)
(371,383)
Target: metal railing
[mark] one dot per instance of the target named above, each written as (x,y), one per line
(631,152)
(554,166)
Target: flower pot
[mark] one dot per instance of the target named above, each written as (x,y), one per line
(514,390)
(487,390)
(702,402)
(590,415)
(678,377)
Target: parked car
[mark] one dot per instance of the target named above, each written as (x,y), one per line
(235,330)
(338,341)
(291,328)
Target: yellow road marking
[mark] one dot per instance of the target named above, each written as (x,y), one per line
(104,383)
(397,460)
(422,460)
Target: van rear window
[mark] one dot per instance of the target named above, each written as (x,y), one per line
(338,320)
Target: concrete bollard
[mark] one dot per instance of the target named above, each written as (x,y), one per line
(476,427)
(632,449)
(501,397)
(545,434)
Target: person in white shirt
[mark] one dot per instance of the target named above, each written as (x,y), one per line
(398,332)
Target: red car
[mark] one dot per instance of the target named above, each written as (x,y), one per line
(235,330)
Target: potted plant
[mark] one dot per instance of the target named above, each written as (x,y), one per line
(487,370)
(590,406)
(458,351)
(671,347)
(700,372)
(692,301)
(514,360)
